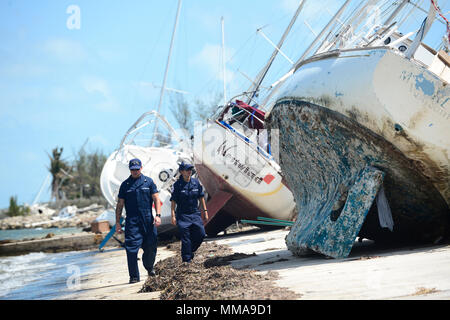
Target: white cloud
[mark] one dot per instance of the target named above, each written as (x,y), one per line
(92,85)
(100,91)
(210,59)
(24,70)
(312,10)
(210,21)
(65,50)
(145,91)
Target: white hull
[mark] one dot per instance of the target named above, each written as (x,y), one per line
(160,164)
(242,170)
(390,95)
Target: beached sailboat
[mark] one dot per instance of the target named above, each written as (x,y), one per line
(241,177)
(160,160)
(364,120)
(236,160)
(160,148)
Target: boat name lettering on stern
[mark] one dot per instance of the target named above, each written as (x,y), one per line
(243,168)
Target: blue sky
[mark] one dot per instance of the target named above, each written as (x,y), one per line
(60,86)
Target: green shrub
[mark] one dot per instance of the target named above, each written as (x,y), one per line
(15,209)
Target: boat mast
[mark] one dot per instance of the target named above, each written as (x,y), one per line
(167,69)
(358,16)
(396,12)
(47,179)
(263,72)
(315,41)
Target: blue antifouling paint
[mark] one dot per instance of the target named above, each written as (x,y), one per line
(334,237)
(425,85)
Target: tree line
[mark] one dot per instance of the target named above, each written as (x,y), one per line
(186,113)
(76,179)
(71,180)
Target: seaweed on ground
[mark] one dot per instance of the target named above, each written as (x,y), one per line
(210,276)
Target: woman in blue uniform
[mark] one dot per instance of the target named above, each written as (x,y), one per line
(186,193)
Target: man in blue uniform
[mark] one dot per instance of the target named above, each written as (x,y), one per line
(137,193)
(186,193)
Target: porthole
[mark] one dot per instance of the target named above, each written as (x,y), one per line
(164,176)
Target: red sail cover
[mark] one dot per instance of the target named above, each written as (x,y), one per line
(253,124)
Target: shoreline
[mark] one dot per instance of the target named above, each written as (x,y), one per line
(79,217)
(57,243)
(369,273)
(108,280)
(17,235)
(42,276)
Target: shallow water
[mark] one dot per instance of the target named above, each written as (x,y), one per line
(20,234)
(43,276)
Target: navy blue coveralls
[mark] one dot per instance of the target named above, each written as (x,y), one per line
(140,232)
(189,220)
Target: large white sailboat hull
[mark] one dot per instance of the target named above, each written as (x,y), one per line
(364,146)
(399,100)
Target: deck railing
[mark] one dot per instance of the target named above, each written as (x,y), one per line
(243,123)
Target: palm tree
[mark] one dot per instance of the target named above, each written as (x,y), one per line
(58,169)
